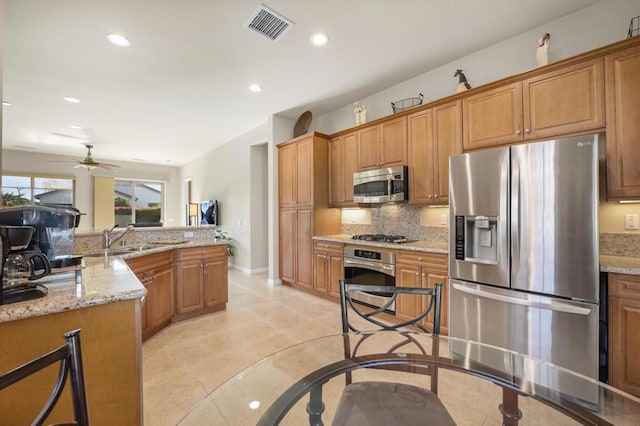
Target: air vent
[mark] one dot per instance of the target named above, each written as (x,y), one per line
(268,23)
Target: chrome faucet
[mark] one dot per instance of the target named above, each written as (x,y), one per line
(108,241)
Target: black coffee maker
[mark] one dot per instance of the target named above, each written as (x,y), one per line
(19,267)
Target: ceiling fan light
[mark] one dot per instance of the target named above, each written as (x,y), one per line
(118,39)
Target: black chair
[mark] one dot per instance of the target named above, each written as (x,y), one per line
(384,403)
(70,358)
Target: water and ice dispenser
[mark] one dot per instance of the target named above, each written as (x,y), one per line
(477,239)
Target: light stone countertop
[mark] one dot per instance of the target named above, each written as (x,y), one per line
(421,245)
(620,265)
(105,279)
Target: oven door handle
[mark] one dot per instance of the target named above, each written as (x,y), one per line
(385,269)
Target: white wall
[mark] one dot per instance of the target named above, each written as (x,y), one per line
(259,224)
(600,24)
(37,163)
(224,174)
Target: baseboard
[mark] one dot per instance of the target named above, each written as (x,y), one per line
(275,281)
(249,271)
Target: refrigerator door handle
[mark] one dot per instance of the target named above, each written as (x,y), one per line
(515,214)
(551,306)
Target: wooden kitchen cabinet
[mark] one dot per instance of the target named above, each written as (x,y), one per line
(622,73)
(421,270)
(560,102)
(434,135)
(624,340)
(155,272)
(328,268)
(301,217)
(383,145)
(343,163)
(201,280)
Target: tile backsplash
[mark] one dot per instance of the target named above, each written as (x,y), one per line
(398,219)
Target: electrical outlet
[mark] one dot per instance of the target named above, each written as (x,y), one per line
(188,234)
(630,221)
(443,219)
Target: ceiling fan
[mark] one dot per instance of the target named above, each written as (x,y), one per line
(89,163)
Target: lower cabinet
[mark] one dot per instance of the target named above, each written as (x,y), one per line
(624,340)
(328,267)
(422,270)
(201,280)
(156,273)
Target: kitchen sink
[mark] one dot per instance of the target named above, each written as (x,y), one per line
(123,250)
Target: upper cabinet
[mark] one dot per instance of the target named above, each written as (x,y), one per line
(622,71)
(295,165)
(434,135)
(383,144)
(343,163)
(564,101)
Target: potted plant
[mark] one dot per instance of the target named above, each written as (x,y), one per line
(220,234)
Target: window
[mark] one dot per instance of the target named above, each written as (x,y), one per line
(20,190)
(138,202)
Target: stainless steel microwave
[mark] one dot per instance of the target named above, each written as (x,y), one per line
(381,186)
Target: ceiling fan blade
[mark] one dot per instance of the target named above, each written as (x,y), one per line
(108,166)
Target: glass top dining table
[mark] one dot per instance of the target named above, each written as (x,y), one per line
(478,384)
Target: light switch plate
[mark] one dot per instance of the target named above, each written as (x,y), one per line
(188,234)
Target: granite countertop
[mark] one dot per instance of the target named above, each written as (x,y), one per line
(421,245)
(620,265)
(105,279)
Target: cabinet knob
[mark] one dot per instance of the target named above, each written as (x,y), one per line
(527,130)
(430,195)
(420,259)
(518,132)
(417,274)
(424,275)
(436,196)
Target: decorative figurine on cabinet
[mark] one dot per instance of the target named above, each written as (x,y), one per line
(543,47)
(361,114)
(462,82)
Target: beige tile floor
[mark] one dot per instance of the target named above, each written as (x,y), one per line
(189,359)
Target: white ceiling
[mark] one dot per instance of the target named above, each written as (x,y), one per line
(180,89)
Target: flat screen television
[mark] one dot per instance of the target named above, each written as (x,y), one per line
(209,212)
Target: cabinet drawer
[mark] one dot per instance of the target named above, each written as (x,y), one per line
(198,253)
(335,248)
(150,261)
(418,258)
(627,286)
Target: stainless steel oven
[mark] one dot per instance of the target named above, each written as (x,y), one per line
(370,266)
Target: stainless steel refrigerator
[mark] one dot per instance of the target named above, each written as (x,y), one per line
(523,256)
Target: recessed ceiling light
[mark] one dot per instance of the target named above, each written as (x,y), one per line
(73,126)
(71,99)
(5,103)
(255,88)
(118,39)
(319,39)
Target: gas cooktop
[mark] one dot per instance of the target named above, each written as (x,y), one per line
(382,238)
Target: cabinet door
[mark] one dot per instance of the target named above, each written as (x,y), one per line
(215,281)
(350,166)
(287,165)
(568,100)
(421,157)
(623,125)
(336,172)
(336,272)
(321,271)
(189,286)
(163,296)
(447,139)
(288,245)
(492,118)
(394,142)
(147,322)
(408,306)
(369,148)
(304,173)
(430,278)
(624,323)
(343,152)
(304,249)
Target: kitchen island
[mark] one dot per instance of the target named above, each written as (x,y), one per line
(105,301)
